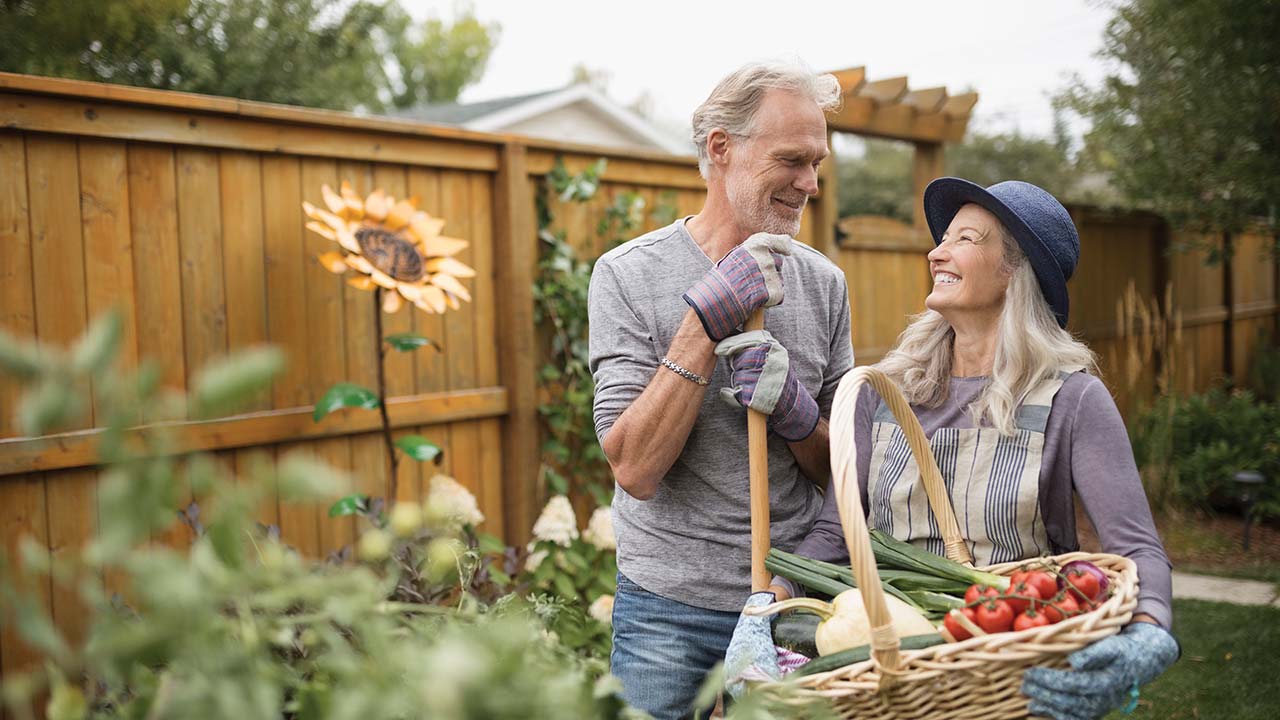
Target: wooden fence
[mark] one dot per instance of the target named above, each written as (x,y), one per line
(184,211)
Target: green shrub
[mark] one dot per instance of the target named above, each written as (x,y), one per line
(1190,448)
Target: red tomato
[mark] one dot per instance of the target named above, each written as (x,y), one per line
(1083,581)
(1027,596)
(979,591)
(1058,610)
(954,627)
(1030,619)
(995,616)
(1017,577)
(1042,582)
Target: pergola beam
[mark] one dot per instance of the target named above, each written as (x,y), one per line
(890,109)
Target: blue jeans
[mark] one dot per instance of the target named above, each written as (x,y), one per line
(663,649)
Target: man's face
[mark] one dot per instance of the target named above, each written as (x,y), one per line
(771,174)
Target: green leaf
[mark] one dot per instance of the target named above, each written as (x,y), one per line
(21,359)
(98,346)
(564,586)
(420,448)
(406,342)
(490,543)
(349,505)
(344,395)
(224,385)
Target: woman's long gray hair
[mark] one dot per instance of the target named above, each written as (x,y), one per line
(1030,348)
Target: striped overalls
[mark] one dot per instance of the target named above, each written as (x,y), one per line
(993,481)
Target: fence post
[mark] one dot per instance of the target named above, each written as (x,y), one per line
(516,260)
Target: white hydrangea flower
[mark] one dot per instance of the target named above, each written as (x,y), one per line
(535,559)
(599,530)
(602,609)
(448,502)
(557,523)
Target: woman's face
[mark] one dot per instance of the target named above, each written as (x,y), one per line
(969,280)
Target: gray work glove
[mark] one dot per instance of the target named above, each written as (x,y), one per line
(1106,674)
(763,381)
(751,654)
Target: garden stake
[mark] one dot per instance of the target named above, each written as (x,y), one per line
(392,460)
(758,457)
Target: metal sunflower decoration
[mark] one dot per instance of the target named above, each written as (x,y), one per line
(391,245)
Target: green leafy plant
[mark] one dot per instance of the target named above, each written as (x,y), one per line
(1190,449)
(573,463)
(240,625)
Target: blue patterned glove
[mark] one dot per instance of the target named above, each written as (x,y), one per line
(763,381)
(746,279)
(751,654)
(1106,675)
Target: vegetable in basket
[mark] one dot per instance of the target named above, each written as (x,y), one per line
(845,623)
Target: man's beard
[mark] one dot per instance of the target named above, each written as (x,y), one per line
(754,210)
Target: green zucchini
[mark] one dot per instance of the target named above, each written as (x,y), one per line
(862,654)
(795,631)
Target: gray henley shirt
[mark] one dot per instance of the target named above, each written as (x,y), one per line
(691,542)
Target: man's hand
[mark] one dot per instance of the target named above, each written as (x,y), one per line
(747,279)
(763,381)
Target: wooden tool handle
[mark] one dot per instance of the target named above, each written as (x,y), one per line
(758,455)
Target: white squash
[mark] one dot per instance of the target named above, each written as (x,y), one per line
(845,623)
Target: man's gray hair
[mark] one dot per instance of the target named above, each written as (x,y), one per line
(732,105)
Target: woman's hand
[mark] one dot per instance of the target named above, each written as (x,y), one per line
(1106,675)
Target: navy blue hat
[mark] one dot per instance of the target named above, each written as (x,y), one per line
(1036,219)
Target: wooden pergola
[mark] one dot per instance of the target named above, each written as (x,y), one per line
(890,109)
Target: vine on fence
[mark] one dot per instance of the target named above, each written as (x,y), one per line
(572,461)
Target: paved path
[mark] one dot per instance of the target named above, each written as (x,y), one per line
(1219,589)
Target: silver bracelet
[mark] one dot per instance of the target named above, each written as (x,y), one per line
(686,374)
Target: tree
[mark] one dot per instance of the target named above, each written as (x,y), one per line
(443,58)
(334,54)
(989,158)
(1187,122)
(878,182)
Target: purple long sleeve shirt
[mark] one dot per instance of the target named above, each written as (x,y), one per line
(1086,449)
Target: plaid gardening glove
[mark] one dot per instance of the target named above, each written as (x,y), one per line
(751,654)
(1106,674)
(746,279)
(763,381)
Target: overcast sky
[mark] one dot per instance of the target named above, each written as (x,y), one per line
(1014,53)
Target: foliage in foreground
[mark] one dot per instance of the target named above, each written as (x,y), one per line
(240,625)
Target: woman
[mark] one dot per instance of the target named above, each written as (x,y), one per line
(1017,421)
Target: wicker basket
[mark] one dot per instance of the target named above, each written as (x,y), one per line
(976,678)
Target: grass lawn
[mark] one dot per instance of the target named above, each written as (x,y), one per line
(1230,666)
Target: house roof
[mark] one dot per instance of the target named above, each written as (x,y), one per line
(460,113)
(494,115)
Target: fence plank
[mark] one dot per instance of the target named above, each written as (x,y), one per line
(399,368)
(487,432)
(153,220)
(432,365)
(325,328)
(455,199)
(287,320)
(17,301)
(198,129)
(243,258)
(104,207)
(368,452)
(23,514)
(516,259)
(57,260)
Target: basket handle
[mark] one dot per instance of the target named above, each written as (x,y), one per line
(844,473)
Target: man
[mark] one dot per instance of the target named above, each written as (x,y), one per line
(659,305)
